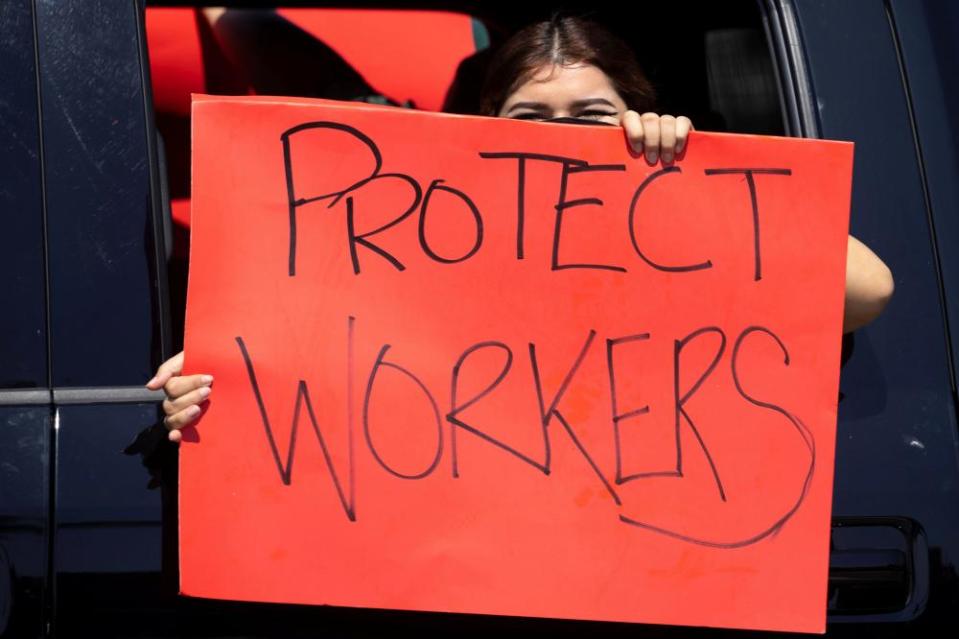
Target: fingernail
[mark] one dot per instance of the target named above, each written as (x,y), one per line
(651,157)
(206,379)
(152,380)
(193,411)
(204,391)
(667,158)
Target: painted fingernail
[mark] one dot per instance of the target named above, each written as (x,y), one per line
(651,157)
(667,158)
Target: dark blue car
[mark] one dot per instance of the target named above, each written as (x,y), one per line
(94,280)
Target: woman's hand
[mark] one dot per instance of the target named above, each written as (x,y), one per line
(184,394)
(657,135)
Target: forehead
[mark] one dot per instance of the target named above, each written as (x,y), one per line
(558,84)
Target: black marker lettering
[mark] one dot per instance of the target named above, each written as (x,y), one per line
(354,239)
(547,414)
(617,416)
(521,185)
(437,185)
(632,227)
(563,204)
(801,428)
(360,239)
(293,201)
(751,182)
(366,418)
(680,399)
(303,397)
(456,408)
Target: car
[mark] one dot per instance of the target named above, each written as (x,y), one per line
(94,197)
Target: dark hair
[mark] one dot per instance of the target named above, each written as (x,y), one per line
(565,40)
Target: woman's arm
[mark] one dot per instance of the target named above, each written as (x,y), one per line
(869,286)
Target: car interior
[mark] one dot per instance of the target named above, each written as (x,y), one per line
(710,62)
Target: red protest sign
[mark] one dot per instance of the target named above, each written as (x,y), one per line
(483,365)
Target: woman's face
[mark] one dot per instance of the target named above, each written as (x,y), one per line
(574,91)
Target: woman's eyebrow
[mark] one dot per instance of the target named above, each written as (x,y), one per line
(539,106)
(579,104)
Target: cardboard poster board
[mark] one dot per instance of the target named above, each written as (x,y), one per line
(491,366)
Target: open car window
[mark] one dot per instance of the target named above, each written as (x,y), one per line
(716,69)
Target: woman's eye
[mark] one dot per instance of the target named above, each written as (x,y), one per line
(596,114)
(528,116)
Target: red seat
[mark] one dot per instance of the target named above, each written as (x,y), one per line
(404,55)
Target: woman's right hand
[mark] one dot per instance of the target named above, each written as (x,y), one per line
(184,394)
(658,136)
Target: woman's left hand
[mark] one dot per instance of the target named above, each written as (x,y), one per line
(658,136)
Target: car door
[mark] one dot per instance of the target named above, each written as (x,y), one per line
(896,498)
(26,416)
(107,326)
(81,536)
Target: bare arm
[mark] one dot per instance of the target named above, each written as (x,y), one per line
(869,286)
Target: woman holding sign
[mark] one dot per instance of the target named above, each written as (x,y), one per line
(561,70)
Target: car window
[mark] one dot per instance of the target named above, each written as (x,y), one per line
(23,349)
(718,70)
(106,321)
